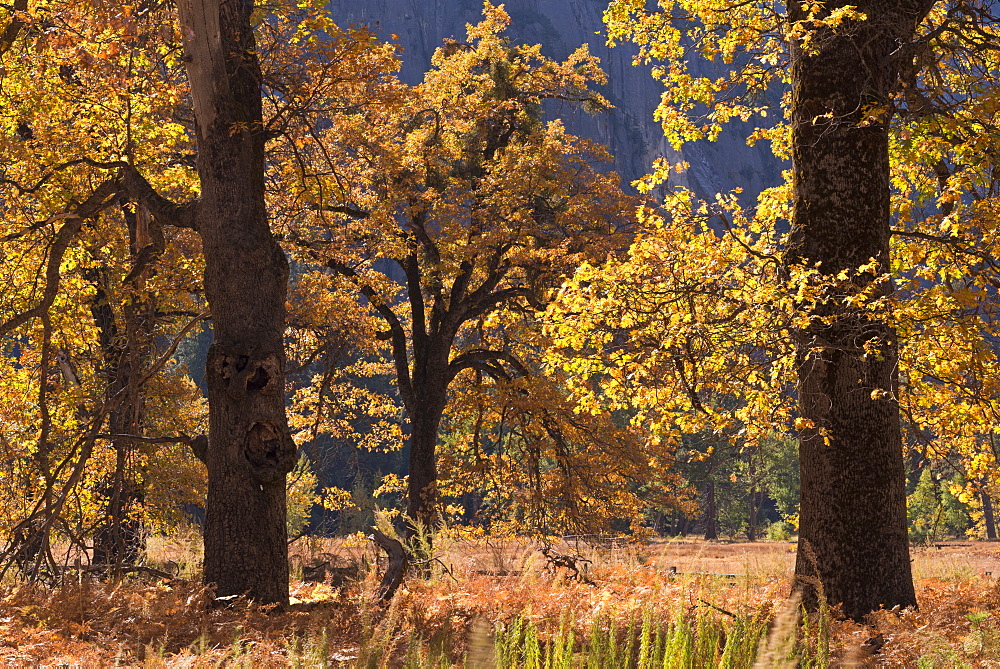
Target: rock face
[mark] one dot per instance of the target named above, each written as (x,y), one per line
(560,26)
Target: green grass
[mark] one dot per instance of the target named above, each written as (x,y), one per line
(698,639)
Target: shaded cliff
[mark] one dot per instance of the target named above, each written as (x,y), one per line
(560,26)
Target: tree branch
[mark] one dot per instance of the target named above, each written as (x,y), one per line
(397,334)
(74,221)
(162,360)
(178,439)
(490,301)
(411,267)
(141,191)
(461,283)
(344,209)
(486,361)
(13,28)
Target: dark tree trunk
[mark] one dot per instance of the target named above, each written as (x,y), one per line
(711,513)
(852,532)
(249,447)
(658,523)
(109,541)
(988,520)
(425,393)
(422,483)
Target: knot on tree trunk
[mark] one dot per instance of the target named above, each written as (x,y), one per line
(245,375)
(270,452)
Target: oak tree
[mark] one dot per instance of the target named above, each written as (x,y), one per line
(113,120)
(853,71)
(479,207)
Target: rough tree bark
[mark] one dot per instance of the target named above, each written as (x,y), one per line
(425,396)
(421,506)
(118,539)
(852,529)
(249,447)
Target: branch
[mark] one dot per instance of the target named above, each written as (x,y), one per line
(74,221)
(150,252)
(55,169)
(414,290)
(344,209)
(397,564)
(397,334)
(179,439)
(959,244)
(461,283)
(486,361)
(162,360)
(13,28)
(129,180)
(690,389)
(134,569)
(142,192)
(488,302)
(495,271)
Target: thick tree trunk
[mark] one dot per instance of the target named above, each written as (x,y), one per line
(250,450)
(852,532)
(422,483)
(425,395)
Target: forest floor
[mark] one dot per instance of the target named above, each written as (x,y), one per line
(472,594)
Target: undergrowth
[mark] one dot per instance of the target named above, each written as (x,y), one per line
(487,606)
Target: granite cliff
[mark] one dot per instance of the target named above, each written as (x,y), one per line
(629,130)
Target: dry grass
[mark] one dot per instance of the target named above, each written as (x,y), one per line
(477,585)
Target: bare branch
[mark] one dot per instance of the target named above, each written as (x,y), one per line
(162,360)
(179,439)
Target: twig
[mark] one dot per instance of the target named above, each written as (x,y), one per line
(719,609)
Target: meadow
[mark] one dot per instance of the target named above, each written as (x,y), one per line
(485,602)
